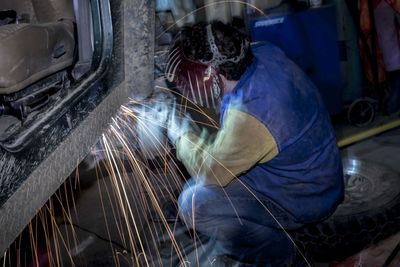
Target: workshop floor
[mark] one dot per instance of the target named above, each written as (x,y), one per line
(101,242)
(382,149)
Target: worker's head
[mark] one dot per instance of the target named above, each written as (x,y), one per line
(203,57)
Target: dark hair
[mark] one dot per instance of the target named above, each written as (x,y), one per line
(229,41)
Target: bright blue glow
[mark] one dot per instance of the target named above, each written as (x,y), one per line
(162,5)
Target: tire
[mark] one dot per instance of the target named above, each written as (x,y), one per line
(369,213)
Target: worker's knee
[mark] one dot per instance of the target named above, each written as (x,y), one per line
(192,202)
(209,211)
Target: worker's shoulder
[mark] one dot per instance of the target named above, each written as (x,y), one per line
(270,57)
(263,47)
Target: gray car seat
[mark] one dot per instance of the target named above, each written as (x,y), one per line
(31,51)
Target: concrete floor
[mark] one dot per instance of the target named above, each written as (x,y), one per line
(101,233)
(383,149)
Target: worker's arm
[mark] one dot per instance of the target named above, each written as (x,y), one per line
(241,143)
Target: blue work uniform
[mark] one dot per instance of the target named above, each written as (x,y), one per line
(273,165)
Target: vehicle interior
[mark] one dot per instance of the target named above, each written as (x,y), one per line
(46,48)
(40,45)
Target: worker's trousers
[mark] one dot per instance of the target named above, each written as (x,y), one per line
(245,225)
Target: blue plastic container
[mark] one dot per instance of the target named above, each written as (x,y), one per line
(309,38)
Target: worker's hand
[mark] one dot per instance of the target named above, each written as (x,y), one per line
(178,124)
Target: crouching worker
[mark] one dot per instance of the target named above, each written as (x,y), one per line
(272,166)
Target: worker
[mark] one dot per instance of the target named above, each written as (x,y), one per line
(272,166)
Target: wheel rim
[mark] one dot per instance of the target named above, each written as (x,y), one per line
(361,113)
(367,186)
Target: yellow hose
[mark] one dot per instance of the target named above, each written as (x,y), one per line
(368,133)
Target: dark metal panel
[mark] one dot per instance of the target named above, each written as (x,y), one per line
(29,178)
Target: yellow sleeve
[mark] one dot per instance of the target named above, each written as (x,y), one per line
(241,143)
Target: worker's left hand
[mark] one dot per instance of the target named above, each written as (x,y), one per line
(178,124)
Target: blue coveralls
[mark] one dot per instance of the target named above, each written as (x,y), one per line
(302,184)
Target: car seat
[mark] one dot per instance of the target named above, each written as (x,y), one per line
(30,51)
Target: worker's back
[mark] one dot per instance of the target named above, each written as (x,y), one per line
(305,178)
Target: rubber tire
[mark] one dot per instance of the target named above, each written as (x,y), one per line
(339,237)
